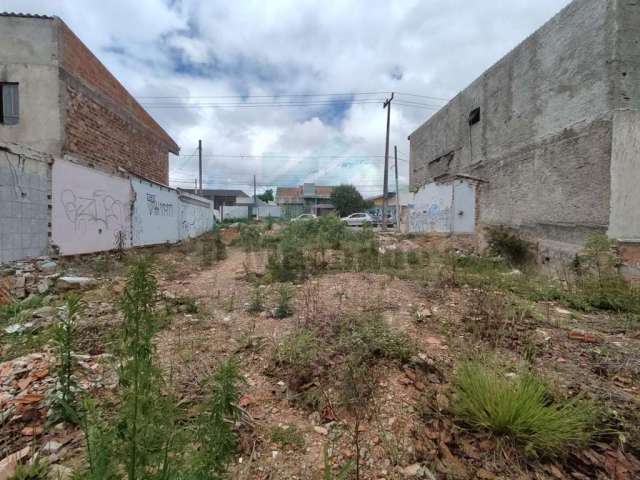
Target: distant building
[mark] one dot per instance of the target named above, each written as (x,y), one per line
(546,141)
(221,197)
(57,98)
(307,198)
(376,204)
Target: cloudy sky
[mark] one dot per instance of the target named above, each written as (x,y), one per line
(206,68)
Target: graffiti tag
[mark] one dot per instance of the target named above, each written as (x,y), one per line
(158,208)
(99,210)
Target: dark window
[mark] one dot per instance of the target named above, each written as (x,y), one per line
(9,103)
(474,116)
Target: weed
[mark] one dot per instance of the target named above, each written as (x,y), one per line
(256,302)
(219,247)
(35,469)
(144,416)
(100,440)
(229,303)
(187,304)
(286,262)
(64,404)
(412,257)
(371,335)
(297,349)
(215,435)
(522,410)
(343,472)
(287,436)
(283,308)
(504,242)
(207,253)
(11,310)
(250,237)
(310,303)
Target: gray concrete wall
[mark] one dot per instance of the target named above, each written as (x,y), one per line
(544,139)
(24,204)
(29,55)
(625,177)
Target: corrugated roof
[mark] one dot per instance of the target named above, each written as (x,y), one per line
(220,192)
(25,15)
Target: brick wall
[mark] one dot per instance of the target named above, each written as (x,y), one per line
(104,124)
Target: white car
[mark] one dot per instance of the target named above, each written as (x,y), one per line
(359,219)
(304,216)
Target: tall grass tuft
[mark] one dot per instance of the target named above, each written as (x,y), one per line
(522,410)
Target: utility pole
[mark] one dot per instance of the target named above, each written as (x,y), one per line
(395,154)
(200,166)
(255,200)
(385,189)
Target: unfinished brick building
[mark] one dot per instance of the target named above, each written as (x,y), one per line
(59,99)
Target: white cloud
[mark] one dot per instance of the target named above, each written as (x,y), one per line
(202,48)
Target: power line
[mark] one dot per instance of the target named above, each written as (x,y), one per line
(290,95)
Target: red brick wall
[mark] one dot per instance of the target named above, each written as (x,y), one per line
(104,124)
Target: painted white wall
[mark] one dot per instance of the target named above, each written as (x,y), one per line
(264,211)
(90,209)
(236,211)
(155,213)
(443,208)
(195,215)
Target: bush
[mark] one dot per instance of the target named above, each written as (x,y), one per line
(373,337)
(522,410)
(506,243)
(283,308)
(256,302)
(287,436)
(250,237)
(298,349)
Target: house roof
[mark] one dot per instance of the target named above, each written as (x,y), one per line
(24,15)
(291,193)
(221,192)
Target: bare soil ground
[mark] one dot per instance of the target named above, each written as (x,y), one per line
(408,431)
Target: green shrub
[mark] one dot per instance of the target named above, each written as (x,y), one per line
(373,337)
(286,262)
(522,410)
(412,257)
(256,302)
(298,349)
(506,243)
(216,438)
(287,436)
(250,237)
(35,469)
(219,247)
(64,405)
(283,307)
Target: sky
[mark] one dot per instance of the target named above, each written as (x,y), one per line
(205,69)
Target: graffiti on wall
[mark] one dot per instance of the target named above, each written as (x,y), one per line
(157,207)
(99,211)
(434,218)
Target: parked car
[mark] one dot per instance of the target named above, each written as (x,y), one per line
(359,219)
(304,216)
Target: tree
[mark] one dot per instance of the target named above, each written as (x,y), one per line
(267,196)
(347,200)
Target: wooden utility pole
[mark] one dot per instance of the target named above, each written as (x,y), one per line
(395,154)
(385,188)
(200,166)
(255,199)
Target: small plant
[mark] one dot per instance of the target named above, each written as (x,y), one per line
(219,246)
(287,436)
(145,413)
(100,441)
(506,243)
(256,302)
(207,253)
(327,473)
(64,403)
(34,469)
(297,349)
(229,303)
(188,304)
(214,432)
(283,308)
(412,257)
(250,237)
(522,410)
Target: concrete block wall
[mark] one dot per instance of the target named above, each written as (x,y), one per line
(545,143)
(24,205)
